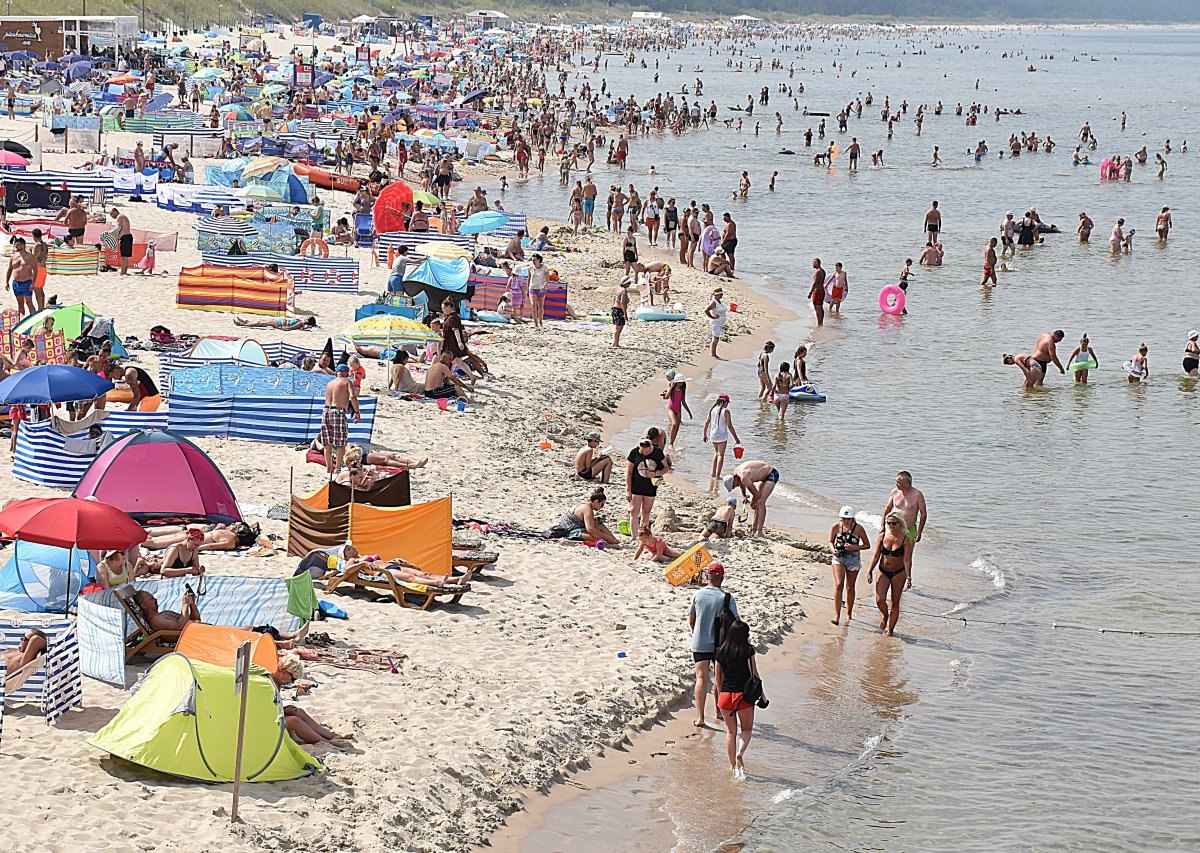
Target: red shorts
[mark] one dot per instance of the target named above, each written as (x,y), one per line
(732,702)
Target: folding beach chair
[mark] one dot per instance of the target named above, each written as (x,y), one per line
(364,578)
(364,229)
(143,640)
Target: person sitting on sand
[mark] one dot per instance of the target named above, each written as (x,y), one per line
(401,380)
(582,525)
(31,645)
(514,251)
(113,570)
(719,265)
(440,381)
(722,521)
(183,558)
(657,548)
(589,465)
(343,234)
(283,324)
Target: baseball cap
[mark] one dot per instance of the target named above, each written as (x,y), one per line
(342,368)
(846,512)
(715,569)
(724,398)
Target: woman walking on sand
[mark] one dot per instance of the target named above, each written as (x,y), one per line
(715,312)
(718,426)
(848,539)
(735,666)
(893,557)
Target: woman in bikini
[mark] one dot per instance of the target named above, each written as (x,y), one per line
(783,388)
(1191,355)
(893,557)
(764,370)
(1030,367)
(184,558)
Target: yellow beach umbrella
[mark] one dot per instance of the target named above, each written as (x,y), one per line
(389,329)
(444,251)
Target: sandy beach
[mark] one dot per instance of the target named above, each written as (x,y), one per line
(509,692)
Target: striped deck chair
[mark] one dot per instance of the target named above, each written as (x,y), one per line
(51,681)
(143,640)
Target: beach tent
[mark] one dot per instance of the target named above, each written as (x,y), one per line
(183,721)
(43,578)
(439,278)
(420,534)
(241,350)
(156,474)
(70,320)
(250,291)
(218,645)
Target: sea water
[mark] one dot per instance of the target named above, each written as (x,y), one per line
(1058,518)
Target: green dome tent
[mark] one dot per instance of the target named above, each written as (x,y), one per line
(70,320)
(183,721)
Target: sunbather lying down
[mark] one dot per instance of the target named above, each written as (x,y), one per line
(301,726)
(31,645)
(169,620)
(408,573)
(218,537)
(283,324)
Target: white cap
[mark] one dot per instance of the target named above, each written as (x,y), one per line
(846,512)
(729,483)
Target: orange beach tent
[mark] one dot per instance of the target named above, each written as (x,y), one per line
(218,645)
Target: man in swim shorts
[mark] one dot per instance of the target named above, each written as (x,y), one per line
(124,240)
(620,310)
(21,271)
(1044,352)
(989,263)
(590,465)
(729,240)
(75,218)
(340,398)
(910,504)
(757,480)
(933,223)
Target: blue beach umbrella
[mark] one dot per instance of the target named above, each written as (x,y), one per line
(74,57)
(483,222)
(78,70)
(52,383)
(47,66)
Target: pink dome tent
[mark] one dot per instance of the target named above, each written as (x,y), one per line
(158,474)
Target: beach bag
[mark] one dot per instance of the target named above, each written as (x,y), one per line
(753,690)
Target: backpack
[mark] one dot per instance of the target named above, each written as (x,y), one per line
(723,620)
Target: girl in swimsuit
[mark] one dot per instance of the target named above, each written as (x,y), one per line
(676,397)
(718,426)
(1139,365)
(655,546)
(764,370)
(783,388)
(893,556)
(1082,353)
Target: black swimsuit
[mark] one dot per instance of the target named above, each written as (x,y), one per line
(891,552)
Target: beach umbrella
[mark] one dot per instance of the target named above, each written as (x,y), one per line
(122,79)
(70,523)
(483,222)
(16,148)
(82,87)
(262,166)
(11,158)
(78,70)
(52,383)
(47,66)
(226,226)
(260,191)
(239,113)
(21,55)
(274,89)
(427,198)
(388,329)
(74,57)
(442,251)
(209,73)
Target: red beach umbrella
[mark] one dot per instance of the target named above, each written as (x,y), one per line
(69,522)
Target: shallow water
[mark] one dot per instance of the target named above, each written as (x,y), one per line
(1068,505)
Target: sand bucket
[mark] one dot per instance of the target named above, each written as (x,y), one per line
(738,451)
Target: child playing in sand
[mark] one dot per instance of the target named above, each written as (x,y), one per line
(655,546)
(722,521)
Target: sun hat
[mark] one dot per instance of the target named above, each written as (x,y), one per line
(732,501)
(728,482)
(846,512)
(1193,334)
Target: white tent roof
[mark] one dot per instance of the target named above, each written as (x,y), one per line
(486,13)
(745,18)
(362,19)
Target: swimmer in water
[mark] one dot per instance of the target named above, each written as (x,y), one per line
(1139,365)
(1082,354)
(1029,366)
